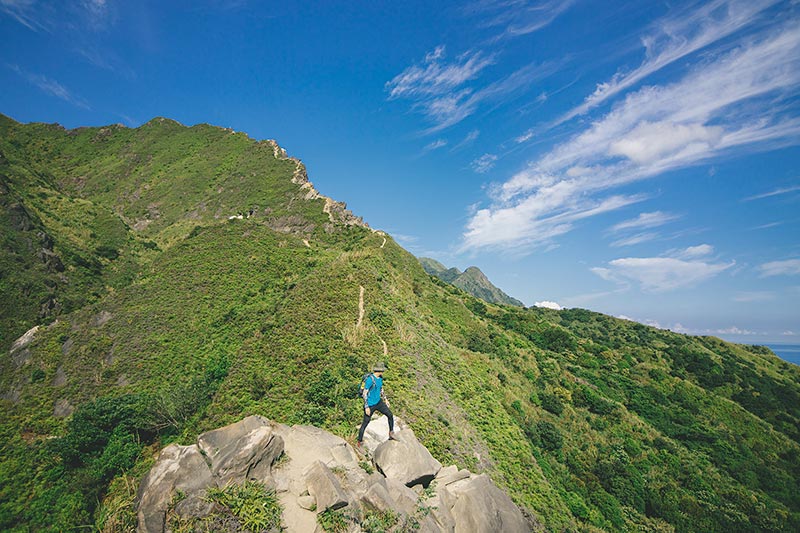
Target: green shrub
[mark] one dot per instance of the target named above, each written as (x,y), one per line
(549,436)
(332,521)
(255,507)
(551,402)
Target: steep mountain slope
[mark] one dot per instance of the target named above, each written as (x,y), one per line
(589,422)
(472,281)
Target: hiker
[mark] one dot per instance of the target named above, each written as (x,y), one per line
(375,400)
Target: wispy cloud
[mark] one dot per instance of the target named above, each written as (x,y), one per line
(520,17)
(23,11)
(788,267)
(484,163)
(435,145)
(768,225)
(435,77)
(447,93)
(645,221)
(51,87)
(675,38)
(776,192)
(38,15)
(638,238)
(730,102)
(468,140)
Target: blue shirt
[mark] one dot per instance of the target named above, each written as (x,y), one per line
(373,384)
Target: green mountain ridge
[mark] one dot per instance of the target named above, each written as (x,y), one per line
(160,317)
(472,281)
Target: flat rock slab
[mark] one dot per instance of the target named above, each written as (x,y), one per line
(406,460)
(244,450)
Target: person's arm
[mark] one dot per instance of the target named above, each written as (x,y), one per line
(365,393)
(383,396)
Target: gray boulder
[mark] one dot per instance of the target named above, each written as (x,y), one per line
(406,460)
(325,487)
(241,451)
(481,507)
(177,468)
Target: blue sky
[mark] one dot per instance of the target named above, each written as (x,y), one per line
(634,158)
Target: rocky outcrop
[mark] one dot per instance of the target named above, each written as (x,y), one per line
(313,471)
(406,460)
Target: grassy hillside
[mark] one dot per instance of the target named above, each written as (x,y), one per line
(591,423)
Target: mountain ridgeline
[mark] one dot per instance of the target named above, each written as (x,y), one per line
(159,282)
(472,281)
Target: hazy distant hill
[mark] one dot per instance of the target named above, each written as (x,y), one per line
(158,316)
(472,281)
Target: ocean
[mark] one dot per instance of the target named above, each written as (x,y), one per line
(787,352)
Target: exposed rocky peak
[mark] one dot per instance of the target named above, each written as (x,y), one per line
(313,472)
(337,211)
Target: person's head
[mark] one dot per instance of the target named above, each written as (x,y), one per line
(379,368)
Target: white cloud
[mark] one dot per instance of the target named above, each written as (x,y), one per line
(693,252)
(675,38)
(707,114)
(789,267)
(660,274)
(789,333)
(776,192)
(484,163)
(645,221)
(649,142)
(549,305)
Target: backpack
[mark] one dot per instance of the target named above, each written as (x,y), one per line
(360,391)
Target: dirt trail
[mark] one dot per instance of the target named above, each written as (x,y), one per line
(360,306)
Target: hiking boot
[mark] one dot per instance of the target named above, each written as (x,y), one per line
(360,446)
(392,436)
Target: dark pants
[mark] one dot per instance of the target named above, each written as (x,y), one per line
(383,408)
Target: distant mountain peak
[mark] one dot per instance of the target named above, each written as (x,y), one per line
(472,281)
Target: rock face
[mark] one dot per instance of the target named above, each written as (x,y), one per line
(406,460)
(245,450)
(313,471)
